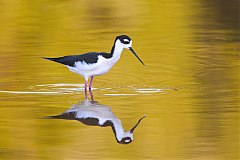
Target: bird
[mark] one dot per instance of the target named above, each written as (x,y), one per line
(94,114)
(93,64)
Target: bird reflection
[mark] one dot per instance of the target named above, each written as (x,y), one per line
(94,114)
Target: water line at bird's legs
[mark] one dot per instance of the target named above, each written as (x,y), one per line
(90,88)
(85,90)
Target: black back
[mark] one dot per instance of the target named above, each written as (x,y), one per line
(89,58)
(90,121)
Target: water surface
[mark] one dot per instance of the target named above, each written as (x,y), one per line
(189,89)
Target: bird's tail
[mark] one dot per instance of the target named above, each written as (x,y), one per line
(53,117)
(65,115)
(51,59)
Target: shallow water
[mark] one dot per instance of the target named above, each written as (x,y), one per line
(189,89)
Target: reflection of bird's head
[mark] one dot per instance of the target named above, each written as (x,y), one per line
(126,140)
(127,137)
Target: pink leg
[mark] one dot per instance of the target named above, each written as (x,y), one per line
(90,88)
(90,84)
(85,89)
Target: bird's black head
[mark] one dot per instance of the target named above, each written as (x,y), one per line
(124,39)
(125,140)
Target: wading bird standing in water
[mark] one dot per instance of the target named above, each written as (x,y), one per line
(93,64)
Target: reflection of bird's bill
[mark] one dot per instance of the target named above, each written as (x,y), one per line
(131,49)
(131,131)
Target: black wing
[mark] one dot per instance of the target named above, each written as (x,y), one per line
(90,57)
(90,121)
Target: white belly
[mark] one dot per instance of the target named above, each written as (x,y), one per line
(102,66)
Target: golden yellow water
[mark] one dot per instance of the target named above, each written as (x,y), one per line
(189,89)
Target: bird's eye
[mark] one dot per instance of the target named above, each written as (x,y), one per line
(126,41)
(126,140)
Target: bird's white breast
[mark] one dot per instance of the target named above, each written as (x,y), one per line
(102,66)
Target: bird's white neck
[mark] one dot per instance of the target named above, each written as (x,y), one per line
(119,130)
(117,50)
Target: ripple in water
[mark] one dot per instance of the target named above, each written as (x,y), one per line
(66,88)
(28,92)
(149,90)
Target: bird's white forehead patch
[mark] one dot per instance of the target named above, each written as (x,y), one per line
(126,40)
(128,140)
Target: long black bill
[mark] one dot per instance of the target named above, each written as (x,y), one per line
(131,131)
(131,49)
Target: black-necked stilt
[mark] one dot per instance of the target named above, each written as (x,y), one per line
(96,63)
(94,114)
